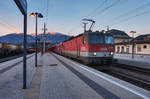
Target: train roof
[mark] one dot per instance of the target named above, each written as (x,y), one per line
(88,32)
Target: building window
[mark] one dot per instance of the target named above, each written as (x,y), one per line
(122,49)
(144,46)
(118,49)
(139,49)
(127,50)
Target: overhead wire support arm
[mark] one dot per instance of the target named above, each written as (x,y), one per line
(90,20)
(93,22)
(84,26)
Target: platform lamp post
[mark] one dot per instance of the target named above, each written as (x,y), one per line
(133,44)
(36,15)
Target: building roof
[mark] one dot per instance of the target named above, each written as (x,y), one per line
(137,42)
(143,37)
(118,34)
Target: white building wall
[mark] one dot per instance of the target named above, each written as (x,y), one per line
(136,50)
(143,49)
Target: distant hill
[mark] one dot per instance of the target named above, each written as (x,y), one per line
(55,38)
(18,38)
(15,38)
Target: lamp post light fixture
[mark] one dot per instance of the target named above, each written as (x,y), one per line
(133,32)
(36,15)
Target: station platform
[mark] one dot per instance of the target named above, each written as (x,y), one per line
(141,61)
(61,78)
(11,77)
(57,77)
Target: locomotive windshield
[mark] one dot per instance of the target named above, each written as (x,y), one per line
(96,38)
(109,39)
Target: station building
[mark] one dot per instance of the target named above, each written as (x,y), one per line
(142,45)
(119,36)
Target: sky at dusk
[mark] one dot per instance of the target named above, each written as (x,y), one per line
(65,16)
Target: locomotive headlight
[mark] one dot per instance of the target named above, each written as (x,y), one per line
(111,53)
(94,54)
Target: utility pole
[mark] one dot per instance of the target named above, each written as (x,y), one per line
(107,28)
(36,40)
(44,38)
(133,44)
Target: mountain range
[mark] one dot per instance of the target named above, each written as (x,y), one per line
(15,38)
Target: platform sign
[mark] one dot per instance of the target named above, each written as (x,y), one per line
(22,5)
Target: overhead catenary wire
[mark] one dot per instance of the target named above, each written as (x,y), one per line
(130,12)
(94,15)
(47,10)
(96,9)
(131,17)
(106,8)
(9,27)
(91,13)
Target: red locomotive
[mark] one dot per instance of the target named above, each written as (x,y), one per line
(89,47)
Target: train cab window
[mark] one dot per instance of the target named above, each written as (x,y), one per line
(96,39)
(109,39)
(84,40)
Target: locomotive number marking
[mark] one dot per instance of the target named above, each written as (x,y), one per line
(104,49)
(82,48)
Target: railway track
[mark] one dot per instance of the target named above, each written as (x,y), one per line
(11,57)
(137,76)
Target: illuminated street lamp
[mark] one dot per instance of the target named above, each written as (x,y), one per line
(133,32)
(36,15)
